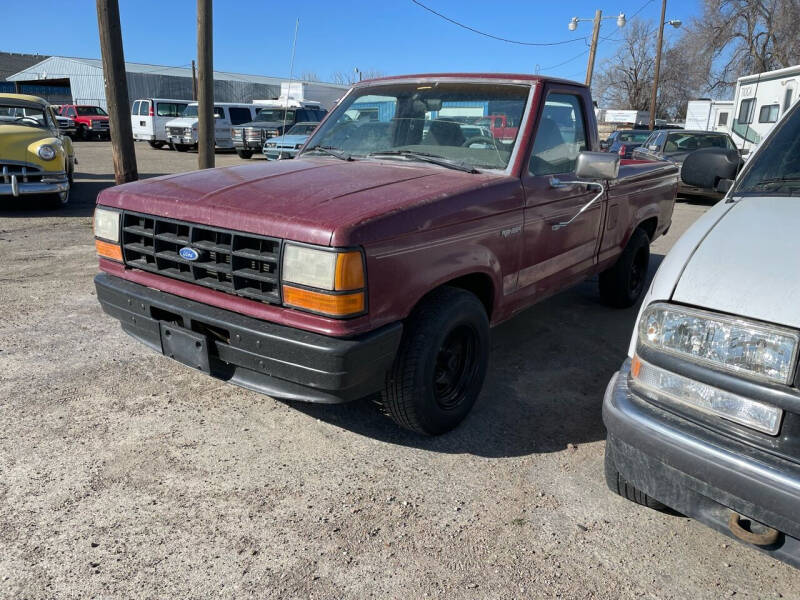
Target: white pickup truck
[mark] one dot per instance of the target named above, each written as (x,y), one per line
(704,415)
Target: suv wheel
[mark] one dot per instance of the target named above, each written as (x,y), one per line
(440,366)
(617,484)
(155,143)
(244,153)
(623,284)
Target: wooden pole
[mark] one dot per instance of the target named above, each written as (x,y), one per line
(654,95)
(205,85)
(194,81)
(598,16)
(116,84)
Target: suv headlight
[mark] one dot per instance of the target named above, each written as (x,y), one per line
(749,349)
(326,281)
(46,152)
(187,132)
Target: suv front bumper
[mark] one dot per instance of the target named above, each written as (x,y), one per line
(698,472)
(276,360)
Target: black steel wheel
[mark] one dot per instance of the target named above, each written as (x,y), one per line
(623,284)
(441,363)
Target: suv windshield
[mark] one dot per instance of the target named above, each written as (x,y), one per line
(90,111)
(775,168)
(637,137)
(408,121)
(18,115)
(274,114)
(682,142)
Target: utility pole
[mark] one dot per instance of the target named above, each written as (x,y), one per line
(654,96)
(194,81)
(598,16)
(205,86)
(116,84)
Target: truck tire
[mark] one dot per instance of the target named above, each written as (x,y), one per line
(245,153)
(181,147)
(617,484)
(441,363)
(155,143)
(623,284)
(81,132)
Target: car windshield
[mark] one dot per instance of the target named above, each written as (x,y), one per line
(19,115)
(90,111)
(775,168)
(637,137)
(301,129)
(274,114)
(424,121)
(687,142)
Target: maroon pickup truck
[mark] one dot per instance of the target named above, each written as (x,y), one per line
(377,260)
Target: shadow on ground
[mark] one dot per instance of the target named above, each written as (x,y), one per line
(548,371)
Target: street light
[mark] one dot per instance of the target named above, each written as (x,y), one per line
(675,23)
(598,16)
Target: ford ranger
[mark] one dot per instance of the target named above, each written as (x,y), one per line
(377,260)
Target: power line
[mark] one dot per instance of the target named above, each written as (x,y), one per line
(569,60)
(642,7)
(495,37)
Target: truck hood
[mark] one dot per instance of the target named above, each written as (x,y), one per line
(306,199)
(747,264)
(182,122)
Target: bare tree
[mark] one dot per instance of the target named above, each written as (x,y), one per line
(350,77)
(744,37)
(625,79)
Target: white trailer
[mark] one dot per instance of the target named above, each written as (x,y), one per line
(709,115)
(760,101)
(306,93)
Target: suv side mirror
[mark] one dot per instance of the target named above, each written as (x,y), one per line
(597,165)
(711,168)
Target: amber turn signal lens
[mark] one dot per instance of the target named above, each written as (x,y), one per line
(108,250)
(636,366)
(349,271)
(336,305)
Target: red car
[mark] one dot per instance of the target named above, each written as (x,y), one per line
(377,260)
(90,121)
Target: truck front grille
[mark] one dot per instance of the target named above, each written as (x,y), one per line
(253,134)
(175,131)
(237,263)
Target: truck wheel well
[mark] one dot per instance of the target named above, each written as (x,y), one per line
(649,227)
(479,284)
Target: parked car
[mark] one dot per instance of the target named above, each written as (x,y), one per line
(502,126)
(287,146)
(65,125)
(35,157)
(149,117)
(90,121)
(675,145)
(625,141)
(182,132)
(704,415)
(271,122)
(377,259)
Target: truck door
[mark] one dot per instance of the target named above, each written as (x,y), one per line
(555,257)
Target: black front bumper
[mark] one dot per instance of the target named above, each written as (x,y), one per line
(280,361)
(698,472)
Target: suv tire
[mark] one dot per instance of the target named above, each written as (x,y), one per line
(441,363)
(619,485)
(623,284)
(245,153)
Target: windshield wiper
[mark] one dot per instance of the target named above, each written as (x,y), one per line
(425,157)
(777,180)
(333,151)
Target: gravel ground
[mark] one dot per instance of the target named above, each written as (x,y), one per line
(126,475)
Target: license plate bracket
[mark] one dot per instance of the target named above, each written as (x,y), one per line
(185,346)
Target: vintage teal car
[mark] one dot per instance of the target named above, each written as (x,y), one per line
(35,157)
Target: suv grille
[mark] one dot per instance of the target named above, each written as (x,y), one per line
(237,263)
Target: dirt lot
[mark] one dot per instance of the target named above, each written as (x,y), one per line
(126,475)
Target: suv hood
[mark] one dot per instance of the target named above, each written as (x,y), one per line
(314,200)
(747,264)
(266,124)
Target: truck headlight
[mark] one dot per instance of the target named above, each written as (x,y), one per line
(187,132)
(46,152)
(106,232)
(327,281)
(749,349)
(660,384)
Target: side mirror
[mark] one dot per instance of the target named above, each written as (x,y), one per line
(604,145)
(744,151)
(711,168)
(597,165)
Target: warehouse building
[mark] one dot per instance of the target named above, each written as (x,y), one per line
(81,80)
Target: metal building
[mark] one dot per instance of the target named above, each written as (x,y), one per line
(83,77)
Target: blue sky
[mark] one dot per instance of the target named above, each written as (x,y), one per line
(393,36)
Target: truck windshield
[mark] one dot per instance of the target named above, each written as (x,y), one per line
(273,115)
(775,168)
(90,111)
(435,120)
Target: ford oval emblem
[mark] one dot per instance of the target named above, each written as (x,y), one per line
(189,253)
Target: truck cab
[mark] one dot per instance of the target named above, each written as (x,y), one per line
(90,121)
(376,261)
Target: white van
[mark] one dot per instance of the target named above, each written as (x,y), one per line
(182,132)
(149,118)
